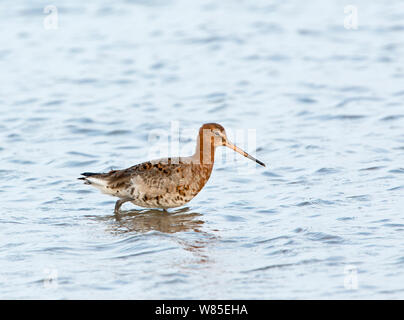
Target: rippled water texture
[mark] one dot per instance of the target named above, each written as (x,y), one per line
(323,220)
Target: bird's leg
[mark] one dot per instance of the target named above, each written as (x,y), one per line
(119,203)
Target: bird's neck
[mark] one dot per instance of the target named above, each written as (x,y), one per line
(204,152)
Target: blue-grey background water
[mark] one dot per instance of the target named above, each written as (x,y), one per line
(323,220)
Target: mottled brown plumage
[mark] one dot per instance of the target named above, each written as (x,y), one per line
(168,182)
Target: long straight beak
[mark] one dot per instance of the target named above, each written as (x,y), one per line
(245,154)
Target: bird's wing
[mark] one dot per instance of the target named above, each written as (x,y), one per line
(152,177)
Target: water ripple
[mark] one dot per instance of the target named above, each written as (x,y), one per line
(323,107)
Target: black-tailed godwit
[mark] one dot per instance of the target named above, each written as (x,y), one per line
(168,182)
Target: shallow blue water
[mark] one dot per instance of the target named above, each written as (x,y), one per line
(323,220)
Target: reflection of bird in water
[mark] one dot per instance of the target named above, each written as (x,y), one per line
(166,183)
(149,220)
(178,221)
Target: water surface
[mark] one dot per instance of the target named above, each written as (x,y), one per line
(326,104)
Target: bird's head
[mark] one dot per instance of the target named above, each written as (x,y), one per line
(214,135)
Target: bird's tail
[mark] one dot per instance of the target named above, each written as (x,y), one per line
(93,178)
(105,182)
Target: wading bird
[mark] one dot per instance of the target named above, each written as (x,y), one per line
(168,182)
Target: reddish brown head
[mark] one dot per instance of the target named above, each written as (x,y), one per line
(212,135)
